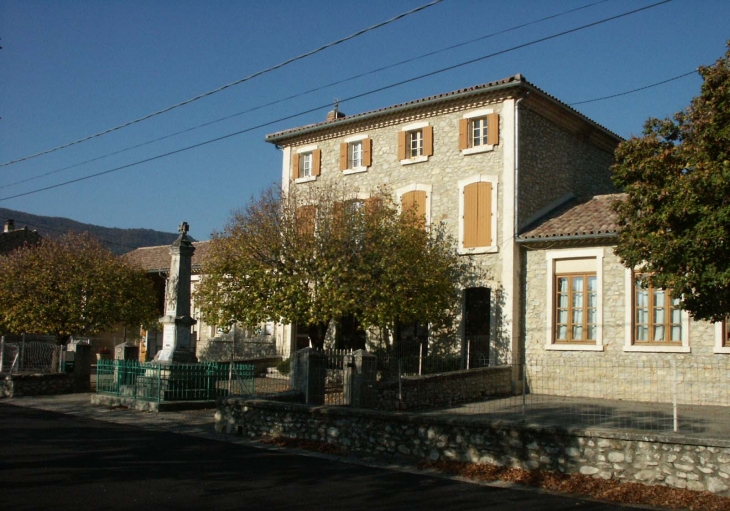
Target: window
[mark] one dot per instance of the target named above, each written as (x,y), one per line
(722,336)
(306,163)
(355,154)
(414,201)
(305,220)
(574,300)
(654,321)
(415,143)
(657,317)
(478,214)
(478,131)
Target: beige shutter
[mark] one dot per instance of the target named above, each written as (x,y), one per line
(463,134)
(295,166)
(406,201)
(419,201)
(402,138)
(367,146)
(471,202)
(428,141)
(316,161)
(484,215)
(493,129)
(343,156)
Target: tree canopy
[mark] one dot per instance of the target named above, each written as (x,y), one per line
(675,220)
(317,255)
(72,285)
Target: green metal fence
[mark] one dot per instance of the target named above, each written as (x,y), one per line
(149,381)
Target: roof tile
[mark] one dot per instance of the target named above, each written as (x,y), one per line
(591,217)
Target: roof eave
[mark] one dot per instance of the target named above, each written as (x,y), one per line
(569,238)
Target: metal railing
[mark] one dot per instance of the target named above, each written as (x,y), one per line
(148,381)
(38,354)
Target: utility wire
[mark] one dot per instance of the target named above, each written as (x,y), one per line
(357,96)
(228,85)
(634,90)
(367,73)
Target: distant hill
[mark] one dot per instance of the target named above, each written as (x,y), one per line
(118,241)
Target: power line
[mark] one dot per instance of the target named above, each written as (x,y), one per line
(360,75)
(634,90)
(228,85)
(357,96)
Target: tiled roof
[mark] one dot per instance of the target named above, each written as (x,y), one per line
(157,259)
(513,81)
(593,217)
(11,240)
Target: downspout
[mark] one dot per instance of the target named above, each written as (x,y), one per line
(517,166)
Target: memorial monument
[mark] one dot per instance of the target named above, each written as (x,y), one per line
(177,321)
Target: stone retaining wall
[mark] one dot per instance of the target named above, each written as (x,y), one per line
(439,390)
(681,462)
(18,385)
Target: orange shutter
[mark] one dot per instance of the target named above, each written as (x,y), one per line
(316,161)
(471,202)
(367,146)
(463,134)
(343,156)
(419,201)
(493,129)
(305,220)
(402,137)
(428,141)
(484,215)
(295,166)
(406,201)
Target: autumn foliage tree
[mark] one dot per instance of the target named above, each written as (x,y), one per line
(317,255)
(72,285)
(675,220)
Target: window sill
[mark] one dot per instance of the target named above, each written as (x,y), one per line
(416,159)
(574,346)
(722,350)
(305,179)
(478,149)
(478,250)
(355,170)
(657,348)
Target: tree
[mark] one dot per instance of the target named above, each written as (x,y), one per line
(676,217)
(313,256)
(72,286)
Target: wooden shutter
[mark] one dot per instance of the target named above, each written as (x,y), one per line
(402,140)
(306,219)
(493,129)
(295,166)
(428,141)
(343,156)
(463,134)
(367,146)
(415,200)
(316,161)
(477,215)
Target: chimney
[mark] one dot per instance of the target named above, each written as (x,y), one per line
(335,113)
(9,225)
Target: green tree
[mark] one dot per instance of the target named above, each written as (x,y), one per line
(675,219)
(72,285)
(317,255)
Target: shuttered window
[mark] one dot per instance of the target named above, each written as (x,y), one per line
(477,215)
(306,164)
(414,201)
(415,143)
(356,154)
(479,131)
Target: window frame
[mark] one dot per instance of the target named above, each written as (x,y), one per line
(494,247)
(630,343)
(552,259)
(722,343)
(365,156)
(570,308)
(468,120)
(316,163)
(405,138)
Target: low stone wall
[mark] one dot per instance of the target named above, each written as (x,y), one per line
(439,390)
(681,462)
(17,385)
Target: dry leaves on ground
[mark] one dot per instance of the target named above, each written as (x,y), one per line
(610,490)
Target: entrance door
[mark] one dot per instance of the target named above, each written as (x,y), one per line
(477,325)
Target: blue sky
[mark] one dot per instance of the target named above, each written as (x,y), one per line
(74,68)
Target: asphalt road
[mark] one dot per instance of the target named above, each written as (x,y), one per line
(50,461)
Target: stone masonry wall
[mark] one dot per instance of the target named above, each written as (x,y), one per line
(18,385)
(554,163)
(701,376)
(650,459)
(447,389)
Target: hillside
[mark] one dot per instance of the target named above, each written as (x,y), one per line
(118,241)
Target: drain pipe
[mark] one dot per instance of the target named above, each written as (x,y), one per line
(517,164)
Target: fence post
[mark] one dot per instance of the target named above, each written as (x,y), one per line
(675,417)
(22,353)
(2,353)
(468,353)
(420,362)
(524,392)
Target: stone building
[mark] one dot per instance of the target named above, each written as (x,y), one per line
(522,180)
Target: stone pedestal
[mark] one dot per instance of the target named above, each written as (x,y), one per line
(177,321)
(308,375)
(359,379)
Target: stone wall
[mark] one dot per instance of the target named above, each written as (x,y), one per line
(696,464)
(612,370)
(439,390)
(18,385)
